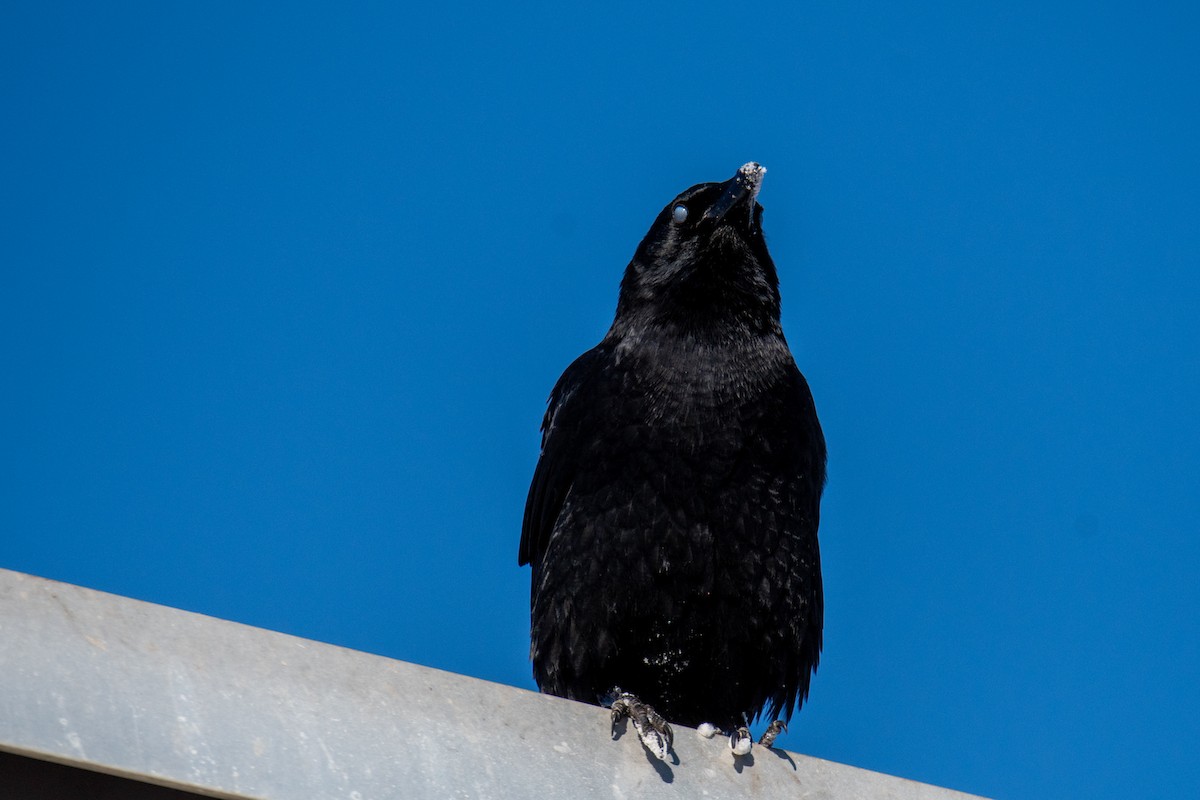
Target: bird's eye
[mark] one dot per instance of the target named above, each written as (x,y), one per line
(680,213)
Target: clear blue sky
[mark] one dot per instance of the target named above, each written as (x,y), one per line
(284,290)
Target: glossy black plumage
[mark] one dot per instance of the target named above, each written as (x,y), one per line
(672,518)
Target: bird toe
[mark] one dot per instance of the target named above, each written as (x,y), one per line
(654,732)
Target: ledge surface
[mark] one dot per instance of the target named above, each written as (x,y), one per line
(217,708)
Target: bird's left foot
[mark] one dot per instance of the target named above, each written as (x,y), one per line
(740,741)
(654,731)
(774,729)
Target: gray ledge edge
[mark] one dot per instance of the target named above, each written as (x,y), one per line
(218,708)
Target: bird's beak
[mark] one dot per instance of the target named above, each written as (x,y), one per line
(740,190)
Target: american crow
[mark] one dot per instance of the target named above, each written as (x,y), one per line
(672,518)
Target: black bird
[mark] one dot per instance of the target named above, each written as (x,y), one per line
(672,518)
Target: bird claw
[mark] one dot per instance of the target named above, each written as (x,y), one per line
(654,731)
(773,730)
(740,741)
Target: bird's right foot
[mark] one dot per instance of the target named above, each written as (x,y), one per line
(654,731)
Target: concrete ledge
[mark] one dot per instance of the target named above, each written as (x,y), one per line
(215,708)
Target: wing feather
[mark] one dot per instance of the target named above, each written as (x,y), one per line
(562,429)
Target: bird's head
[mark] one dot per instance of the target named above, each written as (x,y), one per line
(704,262)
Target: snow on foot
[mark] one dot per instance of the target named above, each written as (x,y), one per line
(740,741)
(654,731)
